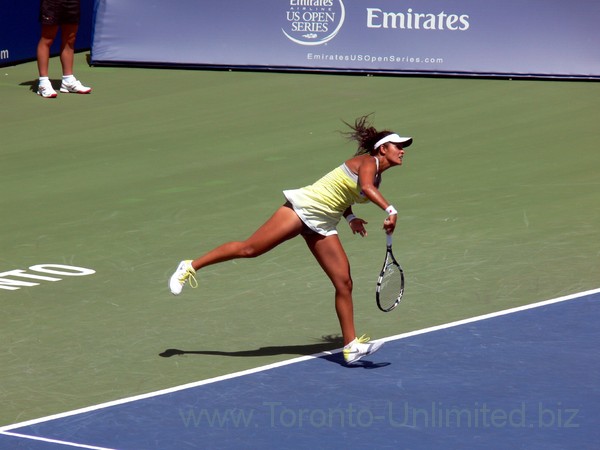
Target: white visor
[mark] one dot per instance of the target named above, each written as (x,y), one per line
(396,139)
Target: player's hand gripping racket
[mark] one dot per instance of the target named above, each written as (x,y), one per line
(390,284)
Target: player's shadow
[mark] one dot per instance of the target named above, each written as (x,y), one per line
(325,344)
(362,364)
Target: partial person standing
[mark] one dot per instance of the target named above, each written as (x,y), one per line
(55,14)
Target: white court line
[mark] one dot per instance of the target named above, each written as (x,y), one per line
(3,430)
(53,441)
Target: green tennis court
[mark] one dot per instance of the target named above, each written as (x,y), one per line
(498,200)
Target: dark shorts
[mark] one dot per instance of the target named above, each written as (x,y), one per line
(58,12)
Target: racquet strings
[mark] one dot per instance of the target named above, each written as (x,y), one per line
(391,285)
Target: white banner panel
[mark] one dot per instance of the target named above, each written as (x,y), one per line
(547,38)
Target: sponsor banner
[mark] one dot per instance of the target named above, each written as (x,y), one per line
(20,30)
(495,37)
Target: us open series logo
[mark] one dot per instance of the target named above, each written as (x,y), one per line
(313,22)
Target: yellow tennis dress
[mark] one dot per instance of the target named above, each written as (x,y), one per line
(322,204)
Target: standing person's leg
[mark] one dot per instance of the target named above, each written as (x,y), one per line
(43,49)
(284,224)
(67,58)
(48,34)
(67,47)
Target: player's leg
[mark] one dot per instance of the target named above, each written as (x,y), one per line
(283,225)
(330,254)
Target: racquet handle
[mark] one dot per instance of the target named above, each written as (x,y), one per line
(389,239)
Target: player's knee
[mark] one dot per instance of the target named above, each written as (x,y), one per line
(344,286)
(248,251)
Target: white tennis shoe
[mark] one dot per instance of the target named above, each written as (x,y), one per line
(184,272)
(46,90)
(74,87)
(359,348)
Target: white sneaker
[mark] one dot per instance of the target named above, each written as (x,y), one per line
(360,347)
(74,87)
(184,272)
(46,90)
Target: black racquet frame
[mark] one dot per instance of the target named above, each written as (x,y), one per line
(389,259)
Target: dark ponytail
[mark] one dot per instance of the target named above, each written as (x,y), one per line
(364,134)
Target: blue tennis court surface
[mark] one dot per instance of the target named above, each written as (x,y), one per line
(521,379)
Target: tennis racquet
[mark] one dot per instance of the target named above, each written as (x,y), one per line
(390,284)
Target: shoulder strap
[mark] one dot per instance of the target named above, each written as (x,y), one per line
(377,164)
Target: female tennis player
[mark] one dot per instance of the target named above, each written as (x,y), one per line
(314,212)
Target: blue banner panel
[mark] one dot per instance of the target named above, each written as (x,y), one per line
(548,38)
(20,30)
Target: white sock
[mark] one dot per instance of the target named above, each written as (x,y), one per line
(68,78)
(44,80)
